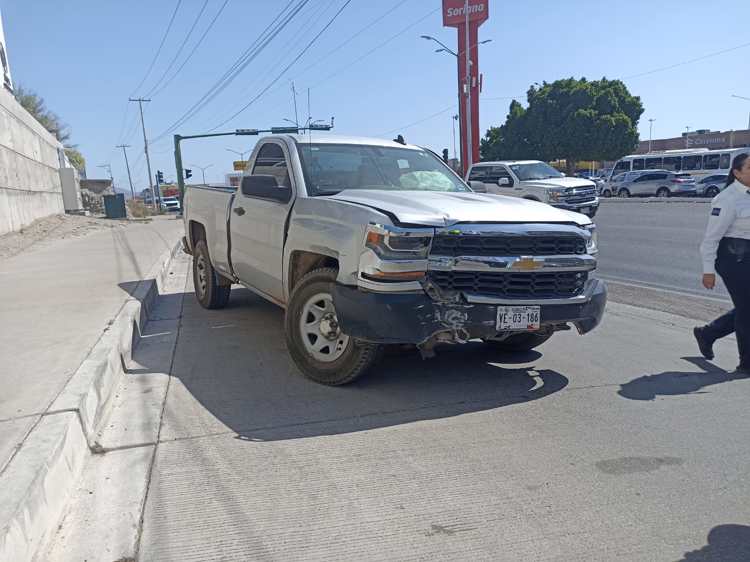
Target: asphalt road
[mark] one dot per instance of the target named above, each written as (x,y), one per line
(649,255)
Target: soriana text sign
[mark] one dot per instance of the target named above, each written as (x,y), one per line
(454,12)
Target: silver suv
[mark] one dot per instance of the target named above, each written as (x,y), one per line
(659,183)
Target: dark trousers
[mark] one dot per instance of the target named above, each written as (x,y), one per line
(735,272)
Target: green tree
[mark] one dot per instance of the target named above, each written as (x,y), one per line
(35,105)
(568,119)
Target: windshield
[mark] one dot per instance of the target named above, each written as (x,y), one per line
(535,171)
(330,168)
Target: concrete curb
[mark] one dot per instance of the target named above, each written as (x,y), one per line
(35,486)
(662,200)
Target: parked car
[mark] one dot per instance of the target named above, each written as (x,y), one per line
(537,181)
(711,186)
(367,242)
(610,188)
(659,183)
(170,204)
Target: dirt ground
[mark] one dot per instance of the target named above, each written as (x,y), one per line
(56,227)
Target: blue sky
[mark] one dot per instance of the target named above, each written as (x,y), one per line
(86,57)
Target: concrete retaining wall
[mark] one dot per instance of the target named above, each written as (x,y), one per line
(30,185)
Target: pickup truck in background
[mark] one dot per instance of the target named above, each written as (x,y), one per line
(366,242)
(537,181)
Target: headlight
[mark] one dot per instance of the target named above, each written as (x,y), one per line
(393,243)
(555,195)
(396,254)
(592,244)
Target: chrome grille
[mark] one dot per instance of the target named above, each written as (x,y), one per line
(512,285)
(507,245)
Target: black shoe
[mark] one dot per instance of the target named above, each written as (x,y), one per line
(704,344)
(742,371)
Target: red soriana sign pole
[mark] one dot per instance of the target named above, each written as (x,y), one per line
(467,16)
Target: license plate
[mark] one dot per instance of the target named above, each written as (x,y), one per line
(518,317)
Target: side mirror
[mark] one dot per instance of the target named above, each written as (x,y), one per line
(265,187)
(563,174)
(478,186)
(503,182)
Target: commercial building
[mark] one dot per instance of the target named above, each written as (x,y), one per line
(701,138)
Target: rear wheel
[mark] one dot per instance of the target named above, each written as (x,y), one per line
(712,191)
(607,193)
(663,192)
(520,342)
(624,193)
(318,346)
(211,289)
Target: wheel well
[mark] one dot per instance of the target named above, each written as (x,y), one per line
(302,263)
(197,232)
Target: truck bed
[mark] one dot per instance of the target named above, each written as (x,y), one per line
(209,206)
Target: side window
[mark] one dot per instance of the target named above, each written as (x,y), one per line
(691,162)
(645,177)
(673,163)
(653,163)
(658,176)
(724,164)
(501,172)
(638,164)
(271,162)
(621,166)
(478,173)
(711,162)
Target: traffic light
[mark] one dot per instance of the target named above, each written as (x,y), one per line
(445,155)
(188,173)
(159,177)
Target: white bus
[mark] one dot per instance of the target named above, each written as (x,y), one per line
(698,162)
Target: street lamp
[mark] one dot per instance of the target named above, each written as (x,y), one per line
(687,136)
(746,99)
(108,167)
(446,49)
(240,153)
(650,130)
(203,171)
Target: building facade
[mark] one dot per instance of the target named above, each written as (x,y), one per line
(702,138)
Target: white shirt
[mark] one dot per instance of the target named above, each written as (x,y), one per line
(730,217)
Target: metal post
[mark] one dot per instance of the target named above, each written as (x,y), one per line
(455,118)
(145,148)
(127,166)
(469,147)
(687,137)
(178,166)
(650,130)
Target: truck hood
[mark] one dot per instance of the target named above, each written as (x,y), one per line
(560,183)
(438,208)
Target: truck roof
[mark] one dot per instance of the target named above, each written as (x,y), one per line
(325,138)
(494,162)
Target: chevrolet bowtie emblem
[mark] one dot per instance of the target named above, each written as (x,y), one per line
(527,264)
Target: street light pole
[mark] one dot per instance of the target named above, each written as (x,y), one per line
(203,171)
(127,166)
(469,146)
(241,154)
(687,136)
(650,131)
(746,99)
(455,118)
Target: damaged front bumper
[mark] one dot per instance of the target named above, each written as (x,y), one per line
(415,318)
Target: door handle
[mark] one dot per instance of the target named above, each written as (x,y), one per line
(239,210)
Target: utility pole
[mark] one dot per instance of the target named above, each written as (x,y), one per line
(145,149)
(294,98)
(455,118)
(127,166)
(469,147)
(650,130)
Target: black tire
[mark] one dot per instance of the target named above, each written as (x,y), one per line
(663,192)
(606,193)
(211,289)
(355,357)
(592,213)
(520,342)
(712,191)
(623,193)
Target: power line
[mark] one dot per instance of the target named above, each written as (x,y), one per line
(161,45)
(683,63)
(180,48)
(195,48)
(404,127)
(287,67)
(268,34)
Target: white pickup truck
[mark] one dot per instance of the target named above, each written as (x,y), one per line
(366,242)
(537,181)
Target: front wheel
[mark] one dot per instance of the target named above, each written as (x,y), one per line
(606,193)
(623,193)
(520,342)
(712,191)
(318,346)
(663,192)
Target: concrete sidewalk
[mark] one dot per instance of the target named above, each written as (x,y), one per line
(58,297)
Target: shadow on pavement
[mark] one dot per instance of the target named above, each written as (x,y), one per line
(234,369)
(674,383)
(726,543)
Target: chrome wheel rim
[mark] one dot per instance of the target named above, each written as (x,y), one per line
(319,327)
(201,274)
